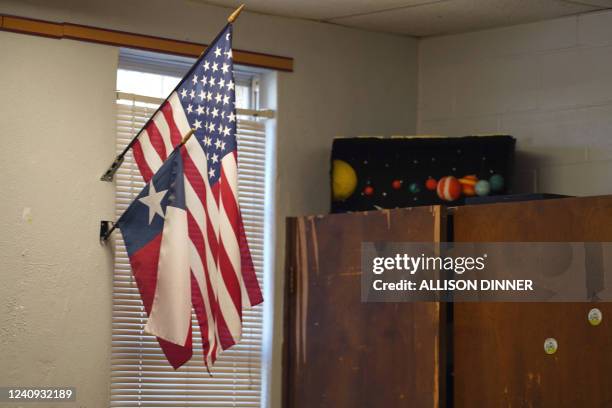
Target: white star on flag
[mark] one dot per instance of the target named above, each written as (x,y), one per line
(153,201)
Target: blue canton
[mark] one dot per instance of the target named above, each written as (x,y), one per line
(144,218)
(208,98)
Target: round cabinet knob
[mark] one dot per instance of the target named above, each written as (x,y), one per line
(550,345)
(595,317)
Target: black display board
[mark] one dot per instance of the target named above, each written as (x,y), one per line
(393,172)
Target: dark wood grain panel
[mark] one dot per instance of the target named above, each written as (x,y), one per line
(339,351)
(499,359)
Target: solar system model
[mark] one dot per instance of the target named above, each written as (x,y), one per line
(378,173)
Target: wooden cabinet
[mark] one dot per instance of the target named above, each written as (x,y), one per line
(340,352)
(498,353)
(344,353)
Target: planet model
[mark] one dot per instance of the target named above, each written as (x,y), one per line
(396,184)
(482,188)
(344,180)
(449,188)
(414,188)
(368,190)
(467,185)
(431,184)
(497,182)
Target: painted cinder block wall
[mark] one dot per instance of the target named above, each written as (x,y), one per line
(548,83)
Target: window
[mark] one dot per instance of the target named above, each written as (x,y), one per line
(160,86)
(141,377)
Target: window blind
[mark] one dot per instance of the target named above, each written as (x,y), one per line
(172,65)
(141,376)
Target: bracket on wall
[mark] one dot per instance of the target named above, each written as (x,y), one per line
(106,228)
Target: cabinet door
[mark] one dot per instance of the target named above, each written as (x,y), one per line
(498,353)
(340,352)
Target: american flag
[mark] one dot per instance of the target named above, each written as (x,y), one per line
(223,280)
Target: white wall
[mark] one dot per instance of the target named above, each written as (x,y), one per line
(346,82)
(549,84)
(56,127)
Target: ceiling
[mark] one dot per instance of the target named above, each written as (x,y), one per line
(420,18)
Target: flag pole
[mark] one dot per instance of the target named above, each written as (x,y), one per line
(107,227)
(186,137)
(110,172)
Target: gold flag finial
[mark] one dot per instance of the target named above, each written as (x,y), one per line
(186,137)
(235,14)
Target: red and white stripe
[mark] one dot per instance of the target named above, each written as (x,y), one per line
(222,273)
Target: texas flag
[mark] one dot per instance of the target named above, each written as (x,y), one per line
(155,231)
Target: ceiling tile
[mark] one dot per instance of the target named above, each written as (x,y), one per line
(596,3)
(452,16)
(319,9)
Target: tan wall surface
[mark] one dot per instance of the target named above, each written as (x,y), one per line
(57,132)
